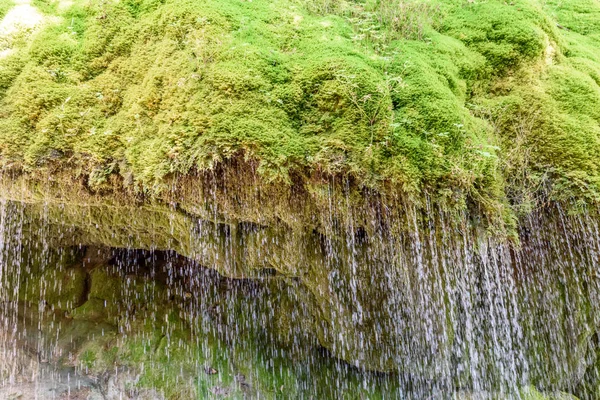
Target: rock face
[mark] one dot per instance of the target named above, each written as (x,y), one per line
(427,295)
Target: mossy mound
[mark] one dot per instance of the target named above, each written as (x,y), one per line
(477,101)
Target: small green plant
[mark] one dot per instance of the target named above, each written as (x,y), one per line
(88,360)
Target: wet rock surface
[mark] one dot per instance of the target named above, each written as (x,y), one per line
(141,328)
(467,320)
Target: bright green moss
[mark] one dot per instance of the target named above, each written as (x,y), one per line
(580,16)
(5,6)
(206,83)
(506,35)
(10,67)
(149,89)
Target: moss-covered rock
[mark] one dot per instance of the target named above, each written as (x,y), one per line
(105,284)
(456,100)
(531,393)
(337,145)
(61,289)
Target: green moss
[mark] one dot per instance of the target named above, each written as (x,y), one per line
(50,278)
(60,288)
(99,353)
(580,16)
(506,35)
(46,6)
(483,103)
(213,80)
(96,310)
(10,67)
(5,6)
(106,284)
(531,393)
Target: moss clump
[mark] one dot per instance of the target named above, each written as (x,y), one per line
(546,115)
(148,89)
(49,277)
(96,310)
(477,103)
(506,35)
(47,6)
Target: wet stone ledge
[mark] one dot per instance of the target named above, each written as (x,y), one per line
(420,297)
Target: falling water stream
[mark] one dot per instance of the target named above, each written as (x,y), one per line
(360,310)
